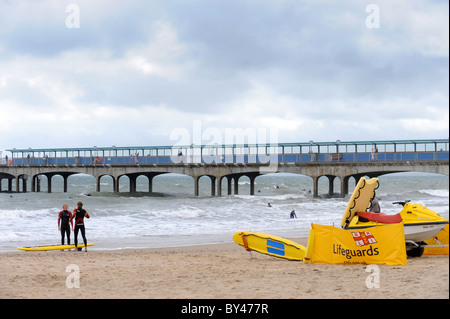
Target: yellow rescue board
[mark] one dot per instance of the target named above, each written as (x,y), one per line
(360,200)
(269,245)
(52,247)
(309,247)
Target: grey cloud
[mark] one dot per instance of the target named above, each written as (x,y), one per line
(317,60)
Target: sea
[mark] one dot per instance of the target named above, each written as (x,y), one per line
(172,216)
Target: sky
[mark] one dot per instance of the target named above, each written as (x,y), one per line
(85,73)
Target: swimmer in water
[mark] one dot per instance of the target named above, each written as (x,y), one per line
(293,215)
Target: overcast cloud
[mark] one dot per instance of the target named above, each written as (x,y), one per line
(134,71)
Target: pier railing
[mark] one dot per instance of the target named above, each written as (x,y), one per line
(327,152)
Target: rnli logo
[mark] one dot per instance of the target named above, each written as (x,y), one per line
(363,238)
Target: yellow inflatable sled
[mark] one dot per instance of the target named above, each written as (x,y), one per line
(360,200)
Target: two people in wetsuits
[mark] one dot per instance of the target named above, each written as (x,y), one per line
(65,220)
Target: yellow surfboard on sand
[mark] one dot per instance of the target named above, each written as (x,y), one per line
(52,247)
(269,245)
(360,200)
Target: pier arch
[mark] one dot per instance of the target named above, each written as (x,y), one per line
(37,179)
(197,184)
(132,180)
(107,176)
(9,181)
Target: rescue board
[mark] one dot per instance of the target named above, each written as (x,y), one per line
(310,246)
(52,247)
(360,200)
(269,245)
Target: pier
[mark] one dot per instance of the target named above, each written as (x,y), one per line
(21,170)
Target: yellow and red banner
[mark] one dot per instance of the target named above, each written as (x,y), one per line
(374,245)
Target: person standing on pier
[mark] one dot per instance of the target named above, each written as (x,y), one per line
(79,213)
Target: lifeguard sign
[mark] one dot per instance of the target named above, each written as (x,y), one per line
(377,245)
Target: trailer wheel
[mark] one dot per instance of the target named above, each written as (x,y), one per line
(416,251)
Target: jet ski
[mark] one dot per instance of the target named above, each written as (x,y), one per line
(420,223)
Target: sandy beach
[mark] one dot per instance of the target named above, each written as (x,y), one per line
(216,271)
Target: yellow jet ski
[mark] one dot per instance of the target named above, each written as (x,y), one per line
(420,223)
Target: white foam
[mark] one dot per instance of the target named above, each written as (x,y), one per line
(435,192)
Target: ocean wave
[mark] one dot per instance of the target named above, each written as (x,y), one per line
(435,192)
(125,219)
(22,213)
(286,197)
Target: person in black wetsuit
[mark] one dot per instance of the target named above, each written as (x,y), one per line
(79,213)
(64,223)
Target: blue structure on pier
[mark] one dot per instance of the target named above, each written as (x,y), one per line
(351,151)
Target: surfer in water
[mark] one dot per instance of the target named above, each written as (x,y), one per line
(64,223)
(293,215)
(79,213)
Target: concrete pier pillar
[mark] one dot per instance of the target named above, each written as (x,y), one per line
(229,180)
(65,177)
(252,184)
(213,185)
(315,186)
(331,184)
(196,178)
(24,179)
(219,185)
(236,185)
(150,183)
(49,183)
(132,183)
(36,183)
(97,186)
(344,186)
